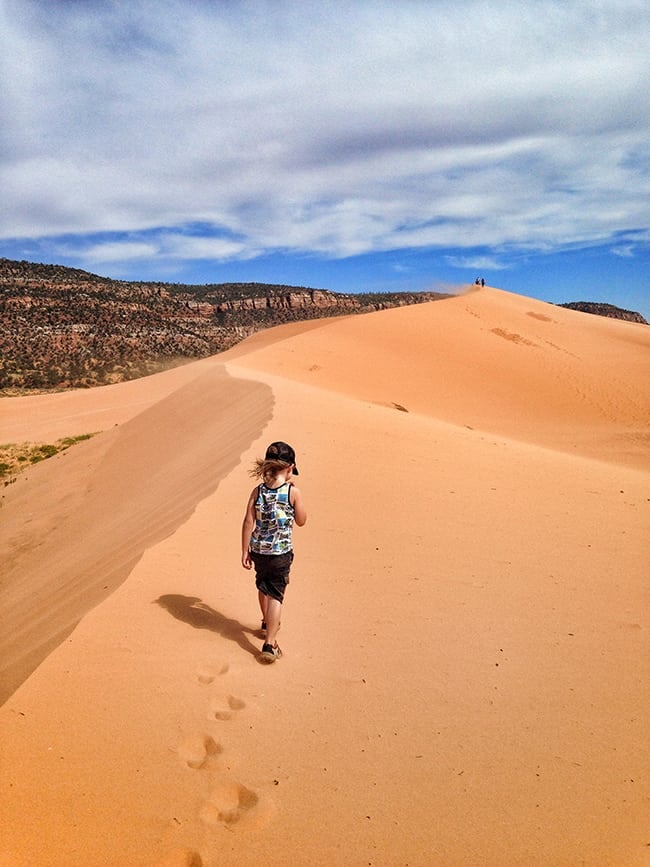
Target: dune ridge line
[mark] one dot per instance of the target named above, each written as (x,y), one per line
(144,480)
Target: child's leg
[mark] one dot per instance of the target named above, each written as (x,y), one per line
(272,617)
(263,599)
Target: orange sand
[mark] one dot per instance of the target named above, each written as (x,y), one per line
(465,678)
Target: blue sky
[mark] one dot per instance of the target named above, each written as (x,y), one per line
(354,146)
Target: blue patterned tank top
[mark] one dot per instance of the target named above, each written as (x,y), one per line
(273,520)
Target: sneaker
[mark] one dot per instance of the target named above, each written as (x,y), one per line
(270,652)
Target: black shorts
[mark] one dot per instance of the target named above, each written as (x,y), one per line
(272,573)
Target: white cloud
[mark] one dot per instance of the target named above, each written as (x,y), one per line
(625,251)
(113,251)
(165,245)
(188,247)
(333,128)
(479,263)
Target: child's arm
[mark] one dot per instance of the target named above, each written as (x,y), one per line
(299,512)
(247,527)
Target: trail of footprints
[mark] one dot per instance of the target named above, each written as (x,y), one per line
(229,804)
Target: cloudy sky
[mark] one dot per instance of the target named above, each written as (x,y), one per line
(363,145)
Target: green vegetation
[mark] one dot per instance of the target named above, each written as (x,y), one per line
(15,457)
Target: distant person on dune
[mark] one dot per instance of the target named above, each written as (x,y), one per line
(267,543)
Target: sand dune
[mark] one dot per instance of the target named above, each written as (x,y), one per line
(465,634)
(75,532)
(493,361)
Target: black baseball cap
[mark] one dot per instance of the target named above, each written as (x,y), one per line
(282,452)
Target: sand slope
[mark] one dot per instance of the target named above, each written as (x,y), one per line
(465,634)
(493,361)
(74,532)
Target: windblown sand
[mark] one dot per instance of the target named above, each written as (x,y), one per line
(465,678)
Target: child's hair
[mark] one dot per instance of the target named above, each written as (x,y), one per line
(267,469)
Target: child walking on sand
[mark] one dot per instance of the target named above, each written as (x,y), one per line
(266,539)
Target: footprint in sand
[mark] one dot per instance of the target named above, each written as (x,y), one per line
(180,858)
(208,673)
(223,709)
(195,750)
(237,807)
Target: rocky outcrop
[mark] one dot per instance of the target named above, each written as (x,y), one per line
(62,327)
(292,299)
(610,310)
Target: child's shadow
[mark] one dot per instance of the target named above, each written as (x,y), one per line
(192,610)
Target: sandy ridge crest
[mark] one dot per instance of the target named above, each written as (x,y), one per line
(118,494)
